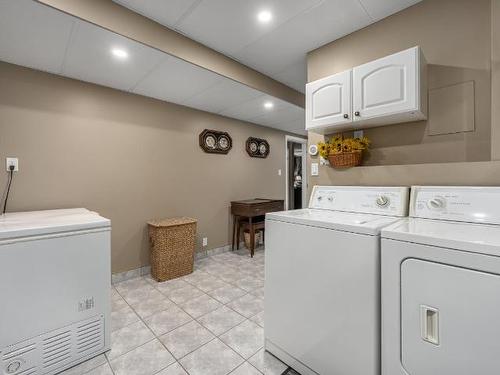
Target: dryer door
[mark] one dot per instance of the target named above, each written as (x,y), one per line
(450,319)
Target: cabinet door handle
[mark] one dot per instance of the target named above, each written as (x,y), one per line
(346,115)
(357,113)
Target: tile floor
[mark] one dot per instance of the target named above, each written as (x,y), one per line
(207,323)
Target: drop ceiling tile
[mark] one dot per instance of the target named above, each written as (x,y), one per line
(297,127)
(33,35)
(254,108)
(227,26)
(314,28)
(175,80)
(89,58)
(164,12)
(294,75)
(225,94)
(290,113)
(379,9)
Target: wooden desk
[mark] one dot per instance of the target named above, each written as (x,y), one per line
(251,209)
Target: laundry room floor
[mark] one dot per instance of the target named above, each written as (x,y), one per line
(207,323)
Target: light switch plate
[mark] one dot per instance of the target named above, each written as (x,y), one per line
(314,169)
(205,241)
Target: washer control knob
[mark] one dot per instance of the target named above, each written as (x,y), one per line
(382,201)
(13,367)
(320,197)
(437,203)
(330,199)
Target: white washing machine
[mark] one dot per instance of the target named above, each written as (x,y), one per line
(441,284)
(322,288)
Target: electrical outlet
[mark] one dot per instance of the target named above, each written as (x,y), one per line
(12,161)
(205,241)
(279,172)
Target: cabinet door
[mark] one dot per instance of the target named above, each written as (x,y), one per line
(328,101)
(386,86)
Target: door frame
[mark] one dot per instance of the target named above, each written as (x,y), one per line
(303,141)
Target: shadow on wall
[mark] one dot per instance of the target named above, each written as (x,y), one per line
(458,128)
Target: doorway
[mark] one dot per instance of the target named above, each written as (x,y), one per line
(296,176)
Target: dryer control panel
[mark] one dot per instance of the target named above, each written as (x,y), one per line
(466,204)
(391,201)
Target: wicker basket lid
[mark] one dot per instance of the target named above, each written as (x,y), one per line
(170,222)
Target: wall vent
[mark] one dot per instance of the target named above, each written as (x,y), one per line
(48,353)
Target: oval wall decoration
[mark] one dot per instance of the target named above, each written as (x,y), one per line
(257,147)
(215,142)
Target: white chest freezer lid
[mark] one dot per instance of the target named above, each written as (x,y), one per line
(462,218)
(34,223)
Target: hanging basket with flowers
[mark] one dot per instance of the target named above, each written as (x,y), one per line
(344,152)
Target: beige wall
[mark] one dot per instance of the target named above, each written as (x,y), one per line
(114,17)
(455,36)
(128,157)
(495,79)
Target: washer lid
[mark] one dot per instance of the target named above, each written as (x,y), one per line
(344,221)
(34,223)
(477,238)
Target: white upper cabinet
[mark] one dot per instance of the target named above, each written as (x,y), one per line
(388,90)
(329,101)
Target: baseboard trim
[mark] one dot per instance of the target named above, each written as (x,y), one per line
(146,270)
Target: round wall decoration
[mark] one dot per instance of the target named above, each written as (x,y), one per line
(215,142)
(257,148)
(313,150)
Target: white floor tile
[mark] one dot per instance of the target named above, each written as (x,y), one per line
(123,317)
(199,306)
(185,339)
(221,320)
(128,338)
(214,358)
(227,293)
(173,369)
(245,339)
(184,294)
(167,320)
(248,305)
(147,359)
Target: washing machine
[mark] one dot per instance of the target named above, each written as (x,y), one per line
(322,279)
(441,284)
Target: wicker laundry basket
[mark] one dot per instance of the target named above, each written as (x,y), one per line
(172,247)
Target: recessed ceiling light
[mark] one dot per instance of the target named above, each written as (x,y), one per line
(119,53)
(268,105)
(264,16)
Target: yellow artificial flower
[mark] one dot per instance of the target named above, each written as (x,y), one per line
(323,149)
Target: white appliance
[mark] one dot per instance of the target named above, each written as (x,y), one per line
(441,284)
(322,305)
(55,290)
